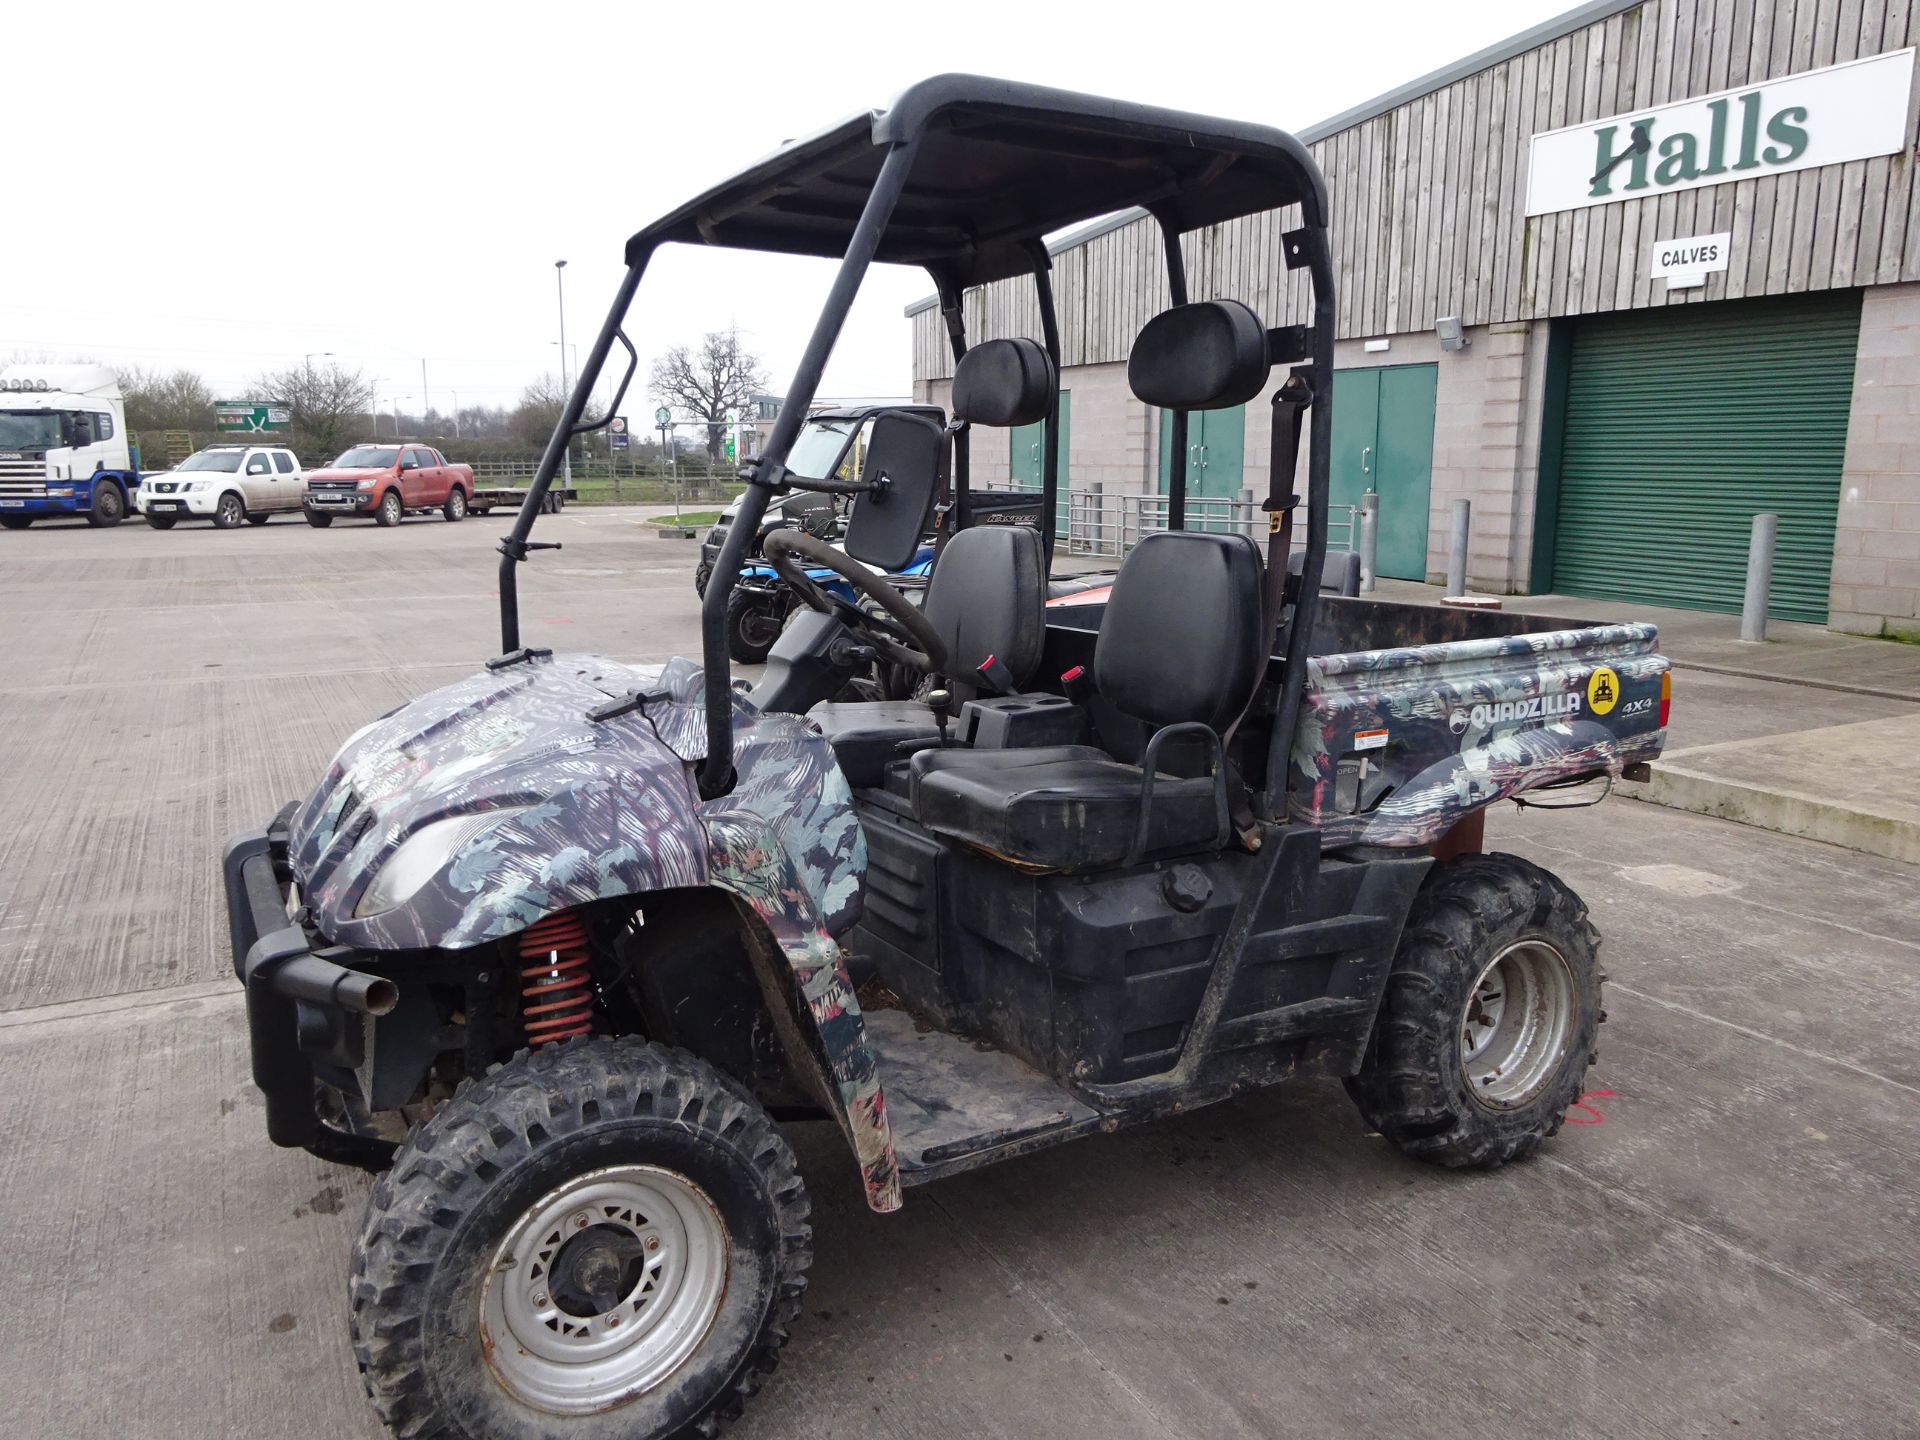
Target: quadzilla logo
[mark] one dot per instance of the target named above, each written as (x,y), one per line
(1538,707)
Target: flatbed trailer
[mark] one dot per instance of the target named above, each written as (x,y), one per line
(485,497)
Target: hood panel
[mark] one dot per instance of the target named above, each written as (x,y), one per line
(612,804)
(613,809)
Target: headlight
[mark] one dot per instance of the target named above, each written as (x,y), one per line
(421,855)
(363,485)
(194,485)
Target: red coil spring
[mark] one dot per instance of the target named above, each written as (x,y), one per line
(556,991)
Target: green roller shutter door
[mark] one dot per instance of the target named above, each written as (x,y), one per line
(1682,424)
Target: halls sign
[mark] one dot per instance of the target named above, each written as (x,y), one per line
(1843,112)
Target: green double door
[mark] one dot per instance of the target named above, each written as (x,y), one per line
(1216,457)
(1026,452)
(1383,442)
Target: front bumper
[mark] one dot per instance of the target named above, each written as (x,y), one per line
(337,502)
(304,1005)
(75,504)
(196,502)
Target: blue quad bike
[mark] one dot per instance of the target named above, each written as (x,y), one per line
(831,446)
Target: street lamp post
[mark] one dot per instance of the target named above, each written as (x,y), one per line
(456,414)
(566,455)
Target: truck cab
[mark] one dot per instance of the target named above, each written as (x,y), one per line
(63,445)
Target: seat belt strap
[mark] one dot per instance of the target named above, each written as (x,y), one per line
(1290,403)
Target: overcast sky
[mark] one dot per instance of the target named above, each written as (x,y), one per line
(230,188)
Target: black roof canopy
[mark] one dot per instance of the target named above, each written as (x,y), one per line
(1000,166)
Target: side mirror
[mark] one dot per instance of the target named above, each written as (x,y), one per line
(903,467)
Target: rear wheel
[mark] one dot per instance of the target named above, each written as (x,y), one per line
(388,515)
(15,522)
(256,519)
(230,512)
(456,506)
(162,522)
(318,521)
(1488,1023)
(754,622)
(604,1238)
(109,505)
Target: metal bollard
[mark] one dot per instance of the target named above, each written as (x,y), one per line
(1753,610)
(1457,554)
(1369,538)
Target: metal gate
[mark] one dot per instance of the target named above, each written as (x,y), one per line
(1680,425)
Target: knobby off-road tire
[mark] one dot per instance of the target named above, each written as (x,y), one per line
(1487,1027)
(572,1146)
(753,624)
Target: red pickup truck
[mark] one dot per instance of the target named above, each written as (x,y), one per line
(387,481)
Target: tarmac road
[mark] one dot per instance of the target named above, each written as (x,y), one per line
(1726,1244)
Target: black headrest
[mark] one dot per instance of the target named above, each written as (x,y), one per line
(1204,356)
(1181,636)
(1004,382)
(985,600)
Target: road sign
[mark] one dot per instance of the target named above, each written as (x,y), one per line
(617,436)
(663,416)
(249,416)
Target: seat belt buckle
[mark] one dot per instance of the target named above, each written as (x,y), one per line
(1075,685)
(994,676)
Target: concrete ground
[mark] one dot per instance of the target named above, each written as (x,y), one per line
(1723,1243)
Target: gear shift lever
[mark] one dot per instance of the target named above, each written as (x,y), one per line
(941,703)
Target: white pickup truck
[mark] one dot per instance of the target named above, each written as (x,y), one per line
(226,484)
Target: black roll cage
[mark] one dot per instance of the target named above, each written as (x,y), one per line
(1112,155)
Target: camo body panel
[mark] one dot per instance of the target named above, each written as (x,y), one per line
(1467,722)
(610,808)
(750,860)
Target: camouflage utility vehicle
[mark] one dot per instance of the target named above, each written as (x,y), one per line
(556,946)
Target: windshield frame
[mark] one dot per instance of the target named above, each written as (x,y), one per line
(62,429)
(207,459)
(345,460)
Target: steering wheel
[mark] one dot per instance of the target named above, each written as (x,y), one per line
(901,635)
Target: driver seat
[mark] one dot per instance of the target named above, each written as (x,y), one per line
(985,603)
(988,592)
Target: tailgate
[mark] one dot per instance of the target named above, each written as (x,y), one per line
(1396,746)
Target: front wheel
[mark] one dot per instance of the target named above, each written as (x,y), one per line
(317,520)
(162,522)
(109,505)
(16,522)
(1487,1027)
(603,1238)
(388,515)
(230,512)
(456,506)
(754,622)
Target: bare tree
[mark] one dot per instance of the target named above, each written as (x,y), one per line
(711,383)
(538,411)
(327,404)
(176,400)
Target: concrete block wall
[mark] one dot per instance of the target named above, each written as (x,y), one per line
(1876,550)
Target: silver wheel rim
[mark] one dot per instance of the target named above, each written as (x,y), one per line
(603,1288)
(1517,1024)
(457,505)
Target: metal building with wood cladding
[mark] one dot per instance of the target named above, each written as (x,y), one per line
(1624,281)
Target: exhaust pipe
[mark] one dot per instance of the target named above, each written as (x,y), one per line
(321,982)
